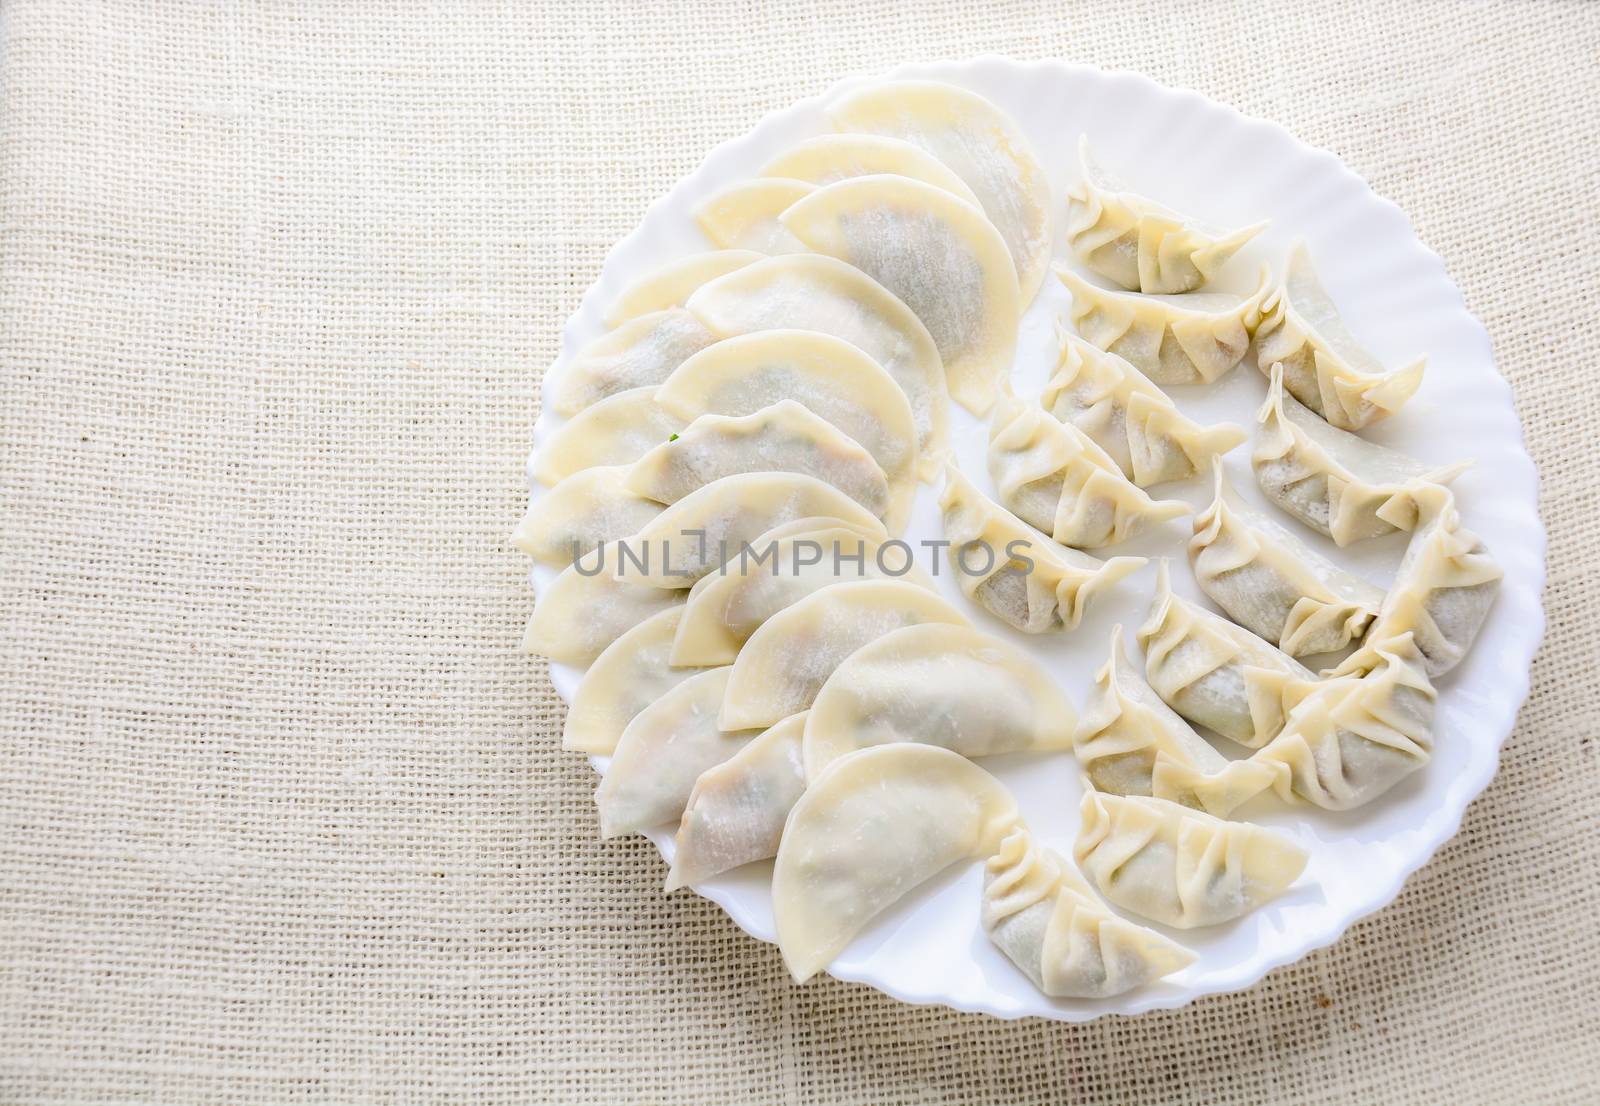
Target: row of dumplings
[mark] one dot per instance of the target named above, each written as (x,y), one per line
(766,397)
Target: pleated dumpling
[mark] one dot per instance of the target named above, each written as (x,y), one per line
(673,283)
(1330,479)
(586,608)
(1177,866)
(785,437)
(633,672)
(788,659)
(834,157)
(1324,367)
(618,430)
(1443,589)
(1054,477)
(640,353)
(984,147)
(744,216)
(736,811)
(1135,422)
(1350,739)
(1129,742)
(939,684)
(1189,339)
(785,565)
(939,255)
(873,826)
(1040,911)
(1214,673)
(583,510)
(1273,584)
(706,527)
(662,753)
(1016,574)
(826,375)
(809,292)
(1138,243)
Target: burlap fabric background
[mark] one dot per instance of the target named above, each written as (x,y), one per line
(282,815)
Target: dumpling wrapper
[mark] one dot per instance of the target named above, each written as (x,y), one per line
(640,353)
(938,684)
(1329,479)
(1138,243)
(737,809)
(1195,338)
(703,529)
(1178,866)
(788,659)
(662,753)
(1273,584)
(876,824)
(633,672)
(744,216)
(785,437)
(618,430)
(673,283)
(1324,366)
(583,510)
(1040,911)
(834,157)
(939,255)
(1135,422)
(586,608)
(985,148)
(1015,573)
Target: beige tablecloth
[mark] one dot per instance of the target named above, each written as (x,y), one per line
(282,812)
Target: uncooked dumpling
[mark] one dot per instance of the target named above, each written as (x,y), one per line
(832,157)
(744,216)
(809,292)
(673,283)
(1324,367)
(1136,242)
(633,672)
(875,825)
(586,608)
(640,353)
(585,509)
(938,684)
(936,253)
(616,431)
(984,147)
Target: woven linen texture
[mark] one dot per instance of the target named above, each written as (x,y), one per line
(283,816)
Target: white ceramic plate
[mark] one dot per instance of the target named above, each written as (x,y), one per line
(1206,159)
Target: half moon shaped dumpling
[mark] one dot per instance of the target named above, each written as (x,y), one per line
(1324,367)
(744,216)
(1177,866)
(872,827)
(1190,339)
(785,663)
(633,672)
(1025,580)
(585,509)
(661,754)
(640,353)
(703,529)
(1040,911)
(1054,477)
(674,282)
(1330,479)
(785,437)
(737,809)
(939,684)
(984,147)
(616,431)
(1136,242)
(1135,422)
(1273,584)
(939,255)
(802,292)
(586,608)
(785,565)
(833,157)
